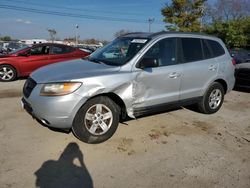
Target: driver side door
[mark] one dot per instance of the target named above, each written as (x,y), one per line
(37,57)
(158,86)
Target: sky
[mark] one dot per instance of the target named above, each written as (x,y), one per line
(97,19)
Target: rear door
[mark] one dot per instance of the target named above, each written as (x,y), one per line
(199,65)
(157,86)
(61,53)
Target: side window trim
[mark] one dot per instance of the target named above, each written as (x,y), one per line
(202,50)
(205,42)
(180,50)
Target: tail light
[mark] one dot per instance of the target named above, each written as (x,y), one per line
(233,61)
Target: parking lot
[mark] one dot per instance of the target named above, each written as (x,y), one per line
(179,148)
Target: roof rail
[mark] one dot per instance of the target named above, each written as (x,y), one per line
(132,33)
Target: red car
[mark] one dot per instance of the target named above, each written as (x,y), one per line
(23,61)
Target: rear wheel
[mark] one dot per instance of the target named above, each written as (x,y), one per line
(7,73)
(213,99)
(97,120)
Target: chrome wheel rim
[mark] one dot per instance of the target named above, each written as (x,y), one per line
(215,99)
(6,73)
(98,119)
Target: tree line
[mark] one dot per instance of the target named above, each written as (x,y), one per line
(227,19)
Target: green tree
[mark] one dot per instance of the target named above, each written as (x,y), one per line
(235,33)
(6,38)
(230,21)
(184,15)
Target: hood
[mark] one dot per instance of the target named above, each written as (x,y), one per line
(71,70)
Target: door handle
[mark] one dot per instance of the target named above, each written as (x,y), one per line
(174,75)
(212,67)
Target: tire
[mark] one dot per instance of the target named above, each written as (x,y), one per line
(7,73)
(97,120)
(213,99)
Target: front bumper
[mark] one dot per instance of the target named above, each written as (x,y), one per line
(26,106)
(54,112)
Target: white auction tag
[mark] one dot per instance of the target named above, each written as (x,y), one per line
(142,41)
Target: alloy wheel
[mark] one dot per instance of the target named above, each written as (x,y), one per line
(6,73)
(98,119)
(215,98)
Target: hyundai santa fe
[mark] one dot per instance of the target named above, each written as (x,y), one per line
(145,74)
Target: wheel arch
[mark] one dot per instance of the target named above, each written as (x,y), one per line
(14,67)
(223,83)
(118,100)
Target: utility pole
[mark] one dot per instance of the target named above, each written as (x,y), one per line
(77,26)
(150,21)
(202,10)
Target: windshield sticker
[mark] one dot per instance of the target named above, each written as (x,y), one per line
(141,41)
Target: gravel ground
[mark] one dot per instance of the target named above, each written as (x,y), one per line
(180,148)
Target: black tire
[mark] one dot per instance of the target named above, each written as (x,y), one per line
(205,106)
(82,124)
(7,73)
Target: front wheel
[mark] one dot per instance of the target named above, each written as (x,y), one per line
(213,99)
(7,73)
(97,120)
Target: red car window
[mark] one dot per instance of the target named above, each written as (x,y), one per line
(61,49)
(41,50)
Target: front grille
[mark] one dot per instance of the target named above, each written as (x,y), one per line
(29,85)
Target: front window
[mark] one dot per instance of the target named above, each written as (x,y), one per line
(40,50)
(164,52)
(118,52)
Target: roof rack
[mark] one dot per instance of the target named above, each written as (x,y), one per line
(152,35)
(176,32)
(135,34)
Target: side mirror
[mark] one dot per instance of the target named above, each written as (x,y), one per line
(148,63)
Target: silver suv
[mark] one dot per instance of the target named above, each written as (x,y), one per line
(136,74)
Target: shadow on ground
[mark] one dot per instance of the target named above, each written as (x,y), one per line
(64,172)
(243,90)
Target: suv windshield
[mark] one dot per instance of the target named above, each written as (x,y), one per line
(118,52)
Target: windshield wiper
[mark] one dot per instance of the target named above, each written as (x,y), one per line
(104,62)
(96,61)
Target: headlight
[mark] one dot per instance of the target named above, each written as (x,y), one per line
(58,89)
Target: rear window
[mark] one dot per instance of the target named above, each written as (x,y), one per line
(61,49)
(192,50)
(217,49)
